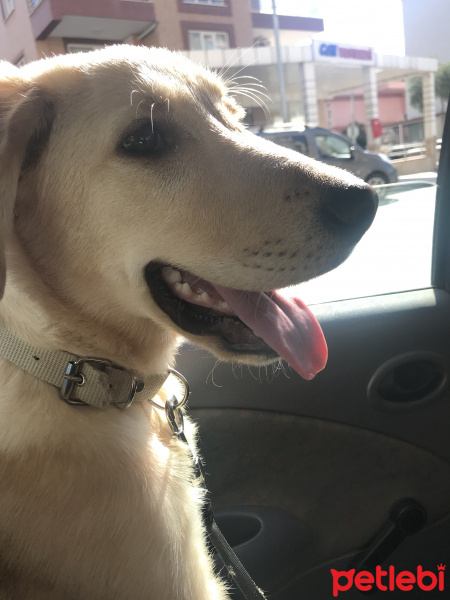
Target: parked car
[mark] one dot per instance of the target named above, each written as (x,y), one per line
(335,149)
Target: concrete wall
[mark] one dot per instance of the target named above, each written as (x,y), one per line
(411,166)
(242,23)
(168,31)
(176,18)
(50,46)
(16,36)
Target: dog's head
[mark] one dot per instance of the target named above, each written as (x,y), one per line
(139,194)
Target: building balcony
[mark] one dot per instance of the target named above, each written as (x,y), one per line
(265,21)
(102,20)
(293,30)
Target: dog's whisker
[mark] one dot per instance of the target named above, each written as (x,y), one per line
(211,374)
(258,100)
(247,77)
(249,368)
(234,366)
(151,116)
(259,82)
(223,73)
(240,71)
(258,303)
(224,69)
(196,281)
(131,96)
(138,106)
(261,103)
(283,369)
(250,86)
(258,93)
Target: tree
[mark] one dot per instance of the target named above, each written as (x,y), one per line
(443,81)
(442,87)
(416,93)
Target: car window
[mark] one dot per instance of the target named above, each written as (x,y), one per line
(292,141)
(330,146)
(394,255)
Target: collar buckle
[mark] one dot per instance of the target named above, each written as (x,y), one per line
(136,386)
(73,378)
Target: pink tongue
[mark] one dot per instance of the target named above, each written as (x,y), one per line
(286,324)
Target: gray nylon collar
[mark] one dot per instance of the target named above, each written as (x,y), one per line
(80,380)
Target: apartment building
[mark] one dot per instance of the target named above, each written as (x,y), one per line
(31,29)
(318,74)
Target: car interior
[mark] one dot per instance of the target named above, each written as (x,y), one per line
(352,469)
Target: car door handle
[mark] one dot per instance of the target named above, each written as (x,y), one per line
(408,380)
(407,517)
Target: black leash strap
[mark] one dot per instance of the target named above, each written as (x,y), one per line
(233,565)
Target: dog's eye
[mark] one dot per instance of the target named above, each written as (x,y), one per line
(144,140)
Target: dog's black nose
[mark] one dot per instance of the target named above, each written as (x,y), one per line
(352,208)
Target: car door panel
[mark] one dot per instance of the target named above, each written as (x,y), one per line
(336,483)
(321,451)
(341,481)
(362,335)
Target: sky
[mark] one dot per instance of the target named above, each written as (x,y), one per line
(375,23)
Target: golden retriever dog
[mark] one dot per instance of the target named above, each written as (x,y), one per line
(136,209)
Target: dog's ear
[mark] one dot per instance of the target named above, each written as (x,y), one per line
(26,115)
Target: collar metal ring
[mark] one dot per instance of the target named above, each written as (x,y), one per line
(185,387)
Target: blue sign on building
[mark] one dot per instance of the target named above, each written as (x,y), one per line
(328,49)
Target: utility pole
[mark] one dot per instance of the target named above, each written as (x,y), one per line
(276,31)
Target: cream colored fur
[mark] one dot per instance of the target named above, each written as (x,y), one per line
(97,505)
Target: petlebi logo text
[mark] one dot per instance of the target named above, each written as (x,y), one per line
(388,579)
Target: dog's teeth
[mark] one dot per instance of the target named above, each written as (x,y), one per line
(223,306)
(185,289)
(204,297)
(171,275)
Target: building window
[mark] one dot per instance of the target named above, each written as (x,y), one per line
(206,2)
(8,7)
(32,4)
(208,40)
